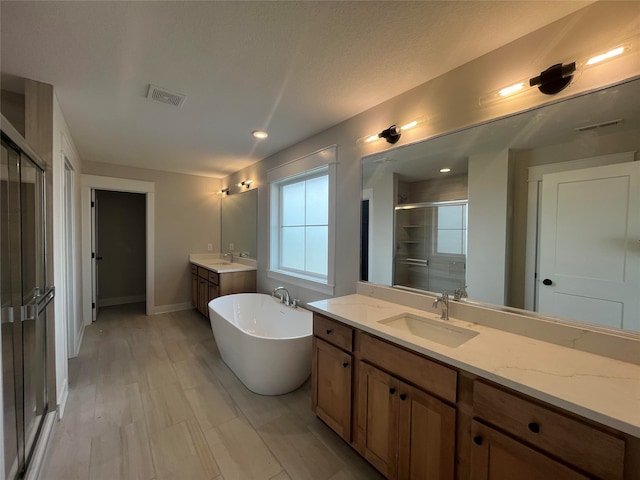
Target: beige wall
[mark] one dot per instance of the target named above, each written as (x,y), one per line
(450,102)
(187,219)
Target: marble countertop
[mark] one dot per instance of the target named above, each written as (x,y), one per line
(218,263)
(596,387)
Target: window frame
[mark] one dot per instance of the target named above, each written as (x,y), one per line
(320,163)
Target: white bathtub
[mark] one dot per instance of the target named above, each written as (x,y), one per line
(265,343)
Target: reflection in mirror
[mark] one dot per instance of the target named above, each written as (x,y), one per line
(239,223)
(552,195)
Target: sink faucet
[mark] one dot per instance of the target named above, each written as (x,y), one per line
(230,255)
(283,298)
(443,301)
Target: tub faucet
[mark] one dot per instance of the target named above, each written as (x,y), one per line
(284,298)
(443,301)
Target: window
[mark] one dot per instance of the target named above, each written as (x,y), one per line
(451,229)
(302,222)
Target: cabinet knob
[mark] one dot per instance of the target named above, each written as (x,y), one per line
(534,427)
(477,440)
(403,396)
(329,331)
(345,364)
(392,390)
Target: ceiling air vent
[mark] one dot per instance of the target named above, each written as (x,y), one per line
(165,96)
(595,126)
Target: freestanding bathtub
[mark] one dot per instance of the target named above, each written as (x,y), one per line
(265,343)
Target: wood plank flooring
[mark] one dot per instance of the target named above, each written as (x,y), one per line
(151,399)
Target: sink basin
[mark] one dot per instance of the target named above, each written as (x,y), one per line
(433,330)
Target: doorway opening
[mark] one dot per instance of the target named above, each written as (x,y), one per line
(119,250)
(91,184)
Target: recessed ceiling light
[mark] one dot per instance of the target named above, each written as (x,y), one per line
(261,134)
(445,170)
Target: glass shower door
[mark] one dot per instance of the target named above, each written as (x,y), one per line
(24,299)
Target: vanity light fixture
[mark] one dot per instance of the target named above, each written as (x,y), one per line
(558,77)
(260,134)
(445,170)
(245,183)
(392,134)
(554,79)
(224,191)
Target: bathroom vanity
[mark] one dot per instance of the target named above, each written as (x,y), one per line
(422,398)
(212,277)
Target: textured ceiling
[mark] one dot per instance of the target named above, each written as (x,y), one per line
(291,68)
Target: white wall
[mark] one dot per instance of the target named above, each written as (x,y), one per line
(488,226)
(450,102)
(63,146)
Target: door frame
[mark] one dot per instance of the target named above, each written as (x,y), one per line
(532,262)
(96,182)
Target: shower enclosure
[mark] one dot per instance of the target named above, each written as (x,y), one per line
(431,245)
(25,300)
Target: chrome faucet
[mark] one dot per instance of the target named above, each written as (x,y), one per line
(283,298)
(443,301)
(230,255)
(460,293)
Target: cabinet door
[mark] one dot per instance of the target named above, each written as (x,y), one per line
(331,395)
(194,290)
(378,418)
(203,293)
(495,456)
(426,436)
(213,292)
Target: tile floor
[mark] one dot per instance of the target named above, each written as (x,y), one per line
(151,399)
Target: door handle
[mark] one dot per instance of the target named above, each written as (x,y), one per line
(29,312)
(547,282)
(7,314)
(99,257)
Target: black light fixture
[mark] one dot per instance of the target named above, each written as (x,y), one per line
(554,79)
(224,191)
(391,134)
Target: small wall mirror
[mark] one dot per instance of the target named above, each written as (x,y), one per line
(489,222)
(239,223)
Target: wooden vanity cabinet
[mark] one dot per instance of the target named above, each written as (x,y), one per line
(511,432)
(403,431)
(332,373)
(207,285)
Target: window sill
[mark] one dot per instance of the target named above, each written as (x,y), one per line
(302,281)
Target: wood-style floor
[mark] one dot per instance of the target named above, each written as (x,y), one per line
(150,398)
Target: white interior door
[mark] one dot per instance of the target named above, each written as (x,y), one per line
(590,245)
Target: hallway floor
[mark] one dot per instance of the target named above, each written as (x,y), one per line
(151,399)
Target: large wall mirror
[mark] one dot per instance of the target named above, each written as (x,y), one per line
(239,223)
(537,211)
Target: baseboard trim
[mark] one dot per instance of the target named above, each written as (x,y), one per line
(108,302)
(176,307)
(62,402)
(42,446)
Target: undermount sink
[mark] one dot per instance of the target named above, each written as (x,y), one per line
(433,330)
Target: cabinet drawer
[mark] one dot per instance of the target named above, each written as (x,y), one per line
(571,440)
(203,273)
(213,277)
(333,332)
(422,372)
(194,269)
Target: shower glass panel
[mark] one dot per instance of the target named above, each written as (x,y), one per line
(9,296)
(430,245)
(33,287)
(24,299)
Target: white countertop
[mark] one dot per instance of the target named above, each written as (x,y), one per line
(596,387)
(220,264)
